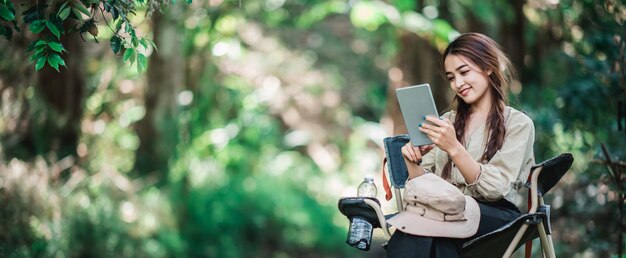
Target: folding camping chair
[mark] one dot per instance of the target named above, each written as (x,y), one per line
(499,243)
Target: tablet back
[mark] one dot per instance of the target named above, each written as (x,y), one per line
(416,102)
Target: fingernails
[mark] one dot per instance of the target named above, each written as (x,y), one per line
(420,125)
(424,117)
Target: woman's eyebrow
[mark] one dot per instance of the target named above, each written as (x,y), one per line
(461,66)
(458,68)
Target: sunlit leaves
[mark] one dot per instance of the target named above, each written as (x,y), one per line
(142,62)
(81,8)
(129,55)
(320,11)
(367,15)
(64,13)
(404,5)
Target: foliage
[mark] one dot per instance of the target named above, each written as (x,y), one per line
(48,21)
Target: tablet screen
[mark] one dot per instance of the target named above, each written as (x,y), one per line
(416,102)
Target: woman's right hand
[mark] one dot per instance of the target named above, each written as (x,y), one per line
(414,154)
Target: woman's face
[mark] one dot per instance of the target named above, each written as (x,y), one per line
(467,80)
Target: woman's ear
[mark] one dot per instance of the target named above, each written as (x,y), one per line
(488,72)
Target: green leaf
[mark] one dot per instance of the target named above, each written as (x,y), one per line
(143,43)
(38,53)
(41,42)
(77,13)
(82,9)
(128,54)
(118,25)
(116,44)
(141,62)
(6,13)
(53,29)
(62,62)
(37,26)
(54,60)
(56,46)
(40,63)
(64,5)
(64,13)
(135,41)
(153,45)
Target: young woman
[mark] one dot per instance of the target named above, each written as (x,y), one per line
(484,147)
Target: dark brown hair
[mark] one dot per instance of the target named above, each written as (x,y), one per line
(488,56)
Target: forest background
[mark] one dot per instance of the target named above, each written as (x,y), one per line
(231,128)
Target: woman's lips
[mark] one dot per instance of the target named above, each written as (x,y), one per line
(464,92)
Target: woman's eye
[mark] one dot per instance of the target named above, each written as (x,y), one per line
(450,79)
(464,72)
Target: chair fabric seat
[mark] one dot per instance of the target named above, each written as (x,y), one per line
(495,243)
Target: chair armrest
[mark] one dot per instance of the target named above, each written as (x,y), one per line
(380,215)
(365,207)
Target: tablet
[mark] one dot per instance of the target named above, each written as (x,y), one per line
(416,102)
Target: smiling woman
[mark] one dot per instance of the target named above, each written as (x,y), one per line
(484,148)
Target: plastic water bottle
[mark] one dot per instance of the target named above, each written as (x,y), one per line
(367,188)
(360,233)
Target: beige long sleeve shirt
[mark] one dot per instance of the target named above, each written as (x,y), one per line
(507,170)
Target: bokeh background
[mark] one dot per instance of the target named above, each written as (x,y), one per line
(253,117)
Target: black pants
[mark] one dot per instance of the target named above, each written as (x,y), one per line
(493,215)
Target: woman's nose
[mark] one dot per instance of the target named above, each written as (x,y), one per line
(459,82)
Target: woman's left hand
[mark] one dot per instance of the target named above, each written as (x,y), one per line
(441,132)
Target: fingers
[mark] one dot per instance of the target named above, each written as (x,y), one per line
(406,152)
(411,153)
(436,126)
(426,148)
(438,121)
(431,130)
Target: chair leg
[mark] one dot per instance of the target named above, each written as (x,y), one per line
(398,199)
(516,239)
(551,245)
(545,243)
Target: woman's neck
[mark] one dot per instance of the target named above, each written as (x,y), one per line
(481,108)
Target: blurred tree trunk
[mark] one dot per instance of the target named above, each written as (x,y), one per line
(64,92)
(418,62)
(157,131)
(49,121)
(513,37)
